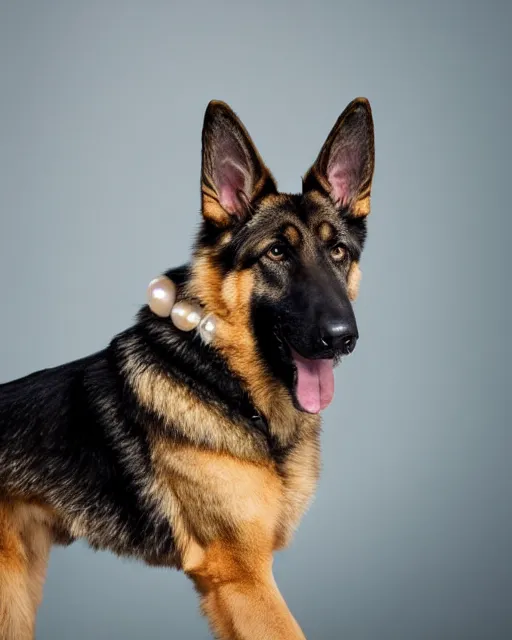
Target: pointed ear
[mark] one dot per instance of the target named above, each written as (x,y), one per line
(344,167)
(233,174)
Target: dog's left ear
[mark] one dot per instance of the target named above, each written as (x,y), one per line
(344,167)
(233,174)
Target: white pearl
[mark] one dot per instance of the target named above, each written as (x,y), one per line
(186,315)
(207,328)
(161,296)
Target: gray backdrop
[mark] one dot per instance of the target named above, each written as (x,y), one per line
(101,108)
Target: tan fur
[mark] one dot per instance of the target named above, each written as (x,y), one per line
(25,540)
(204,425)
(361,207)
(353,280)
(292,235)
(229,516)
(212,486)
(225,238)
(325,231)
(218,494)
(238,591)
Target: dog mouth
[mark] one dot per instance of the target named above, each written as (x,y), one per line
(312,386)
(314,382)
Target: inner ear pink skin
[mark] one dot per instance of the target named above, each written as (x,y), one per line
(342,185)
(231,182)
(345,172)
(228,198)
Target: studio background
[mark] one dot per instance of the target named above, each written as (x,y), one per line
(101,110)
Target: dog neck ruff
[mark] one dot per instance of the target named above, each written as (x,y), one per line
(187,316)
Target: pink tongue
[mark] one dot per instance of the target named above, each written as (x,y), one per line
(315,383)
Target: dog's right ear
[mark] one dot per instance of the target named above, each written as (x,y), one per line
(233,174)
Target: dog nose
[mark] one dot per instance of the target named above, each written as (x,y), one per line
(339,335)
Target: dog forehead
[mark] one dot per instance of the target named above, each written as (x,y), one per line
(306,212)
(316,208)
(299,216)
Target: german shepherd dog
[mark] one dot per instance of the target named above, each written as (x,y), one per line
(198,456)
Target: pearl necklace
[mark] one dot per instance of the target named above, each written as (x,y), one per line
(184,314)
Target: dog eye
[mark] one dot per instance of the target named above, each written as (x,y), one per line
(277,252)
(338,253)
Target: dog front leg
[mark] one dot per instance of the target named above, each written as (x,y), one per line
(249,609)
(239,595)
(25,540)
(16,607)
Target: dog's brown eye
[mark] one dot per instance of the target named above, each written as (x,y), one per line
(276,252)
(338,253)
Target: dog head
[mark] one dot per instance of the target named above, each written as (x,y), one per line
(282,269)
